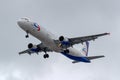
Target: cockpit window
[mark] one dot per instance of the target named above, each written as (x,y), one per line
(25,19)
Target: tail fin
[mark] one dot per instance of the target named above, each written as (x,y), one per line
(85,48)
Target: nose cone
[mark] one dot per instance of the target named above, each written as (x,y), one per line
(20,23)
(23,23)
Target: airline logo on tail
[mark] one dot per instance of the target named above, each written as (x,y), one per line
(85,48)
(37,26)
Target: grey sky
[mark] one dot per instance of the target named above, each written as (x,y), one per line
(71,18)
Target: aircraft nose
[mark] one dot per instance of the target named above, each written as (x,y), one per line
(23,23)
(20,23)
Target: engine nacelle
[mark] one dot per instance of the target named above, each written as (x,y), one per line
(64,41)
(30,45)
(33,48)
(62,38)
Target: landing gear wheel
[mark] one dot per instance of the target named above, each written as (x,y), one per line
(46,56)
(27,36)
(66,51)
(30,45)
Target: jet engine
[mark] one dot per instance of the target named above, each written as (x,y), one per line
(33,48)
(64,42)
(30,45)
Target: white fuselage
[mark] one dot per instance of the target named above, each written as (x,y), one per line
(45,37)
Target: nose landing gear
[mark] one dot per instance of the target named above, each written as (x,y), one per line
(27,36)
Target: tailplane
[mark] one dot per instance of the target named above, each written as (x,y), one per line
(85,52)
(90,58)
(94,57)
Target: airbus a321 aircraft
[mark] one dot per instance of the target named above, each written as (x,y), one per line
(51,43)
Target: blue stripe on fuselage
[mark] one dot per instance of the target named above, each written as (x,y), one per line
(81,59)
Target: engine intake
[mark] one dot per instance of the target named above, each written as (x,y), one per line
(61,38)
(64,42)
(34,48)
(30,45)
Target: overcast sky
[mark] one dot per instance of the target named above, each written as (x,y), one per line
(71,18)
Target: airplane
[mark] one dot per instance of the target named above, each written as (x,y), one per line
(52,43)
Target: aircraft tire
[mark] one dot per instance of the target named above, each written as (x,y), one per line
(27,36)
(66,51)
(46,56)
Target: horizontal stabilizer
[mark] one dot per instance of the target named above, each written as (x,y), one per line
(91,58)
(95,57)
(75,61)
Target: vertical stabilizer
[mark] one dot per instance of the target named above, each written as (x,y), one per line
(85,48)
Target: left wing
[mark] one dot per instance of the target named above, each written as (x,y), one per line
(68,42)
(85,38)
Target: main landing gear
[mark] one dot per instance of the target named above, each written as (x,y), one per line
(66,51)
(46,55)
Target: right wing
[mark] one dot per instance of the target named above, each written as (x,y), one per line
(40,48)
(26,51)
